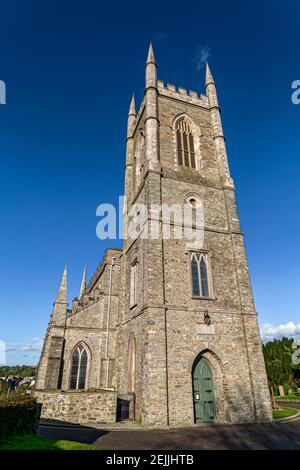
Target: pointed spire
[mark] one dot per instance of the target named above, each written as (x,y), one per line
(151,112)
(209,78)
(132,111)
(150,57)
(62,293)
(83,282)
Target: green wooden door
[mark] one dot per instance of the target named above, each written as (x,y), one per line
(203,390)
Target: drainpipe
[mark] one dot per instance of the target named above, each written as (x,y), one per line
(108,319)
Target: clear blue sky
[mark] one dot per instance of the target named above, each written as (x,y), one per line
(70,68)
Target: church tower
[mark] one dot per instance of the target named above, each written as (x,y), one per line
(188,343)
(167,325)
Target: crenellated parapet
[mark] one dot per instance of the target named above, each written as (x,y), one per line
(188,96)
(86,301)
(110,254)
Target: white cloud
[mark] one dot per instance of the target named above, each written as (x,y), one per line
(270,332)
(201,55)
(33,346)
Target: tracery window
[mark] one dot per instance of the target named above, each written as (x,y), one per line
(200,276)
(185,144)
(79,363)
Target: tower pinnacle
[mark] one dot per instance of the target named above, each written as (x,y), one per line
(150,58)
(83,282)
(151,112)
(209,78)
(60,306)
(132,111)
(62,292)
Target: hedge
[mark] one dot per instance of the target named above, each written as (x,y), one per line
(18,416)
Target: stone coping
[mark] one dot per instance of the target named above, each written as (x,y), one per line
(286,400)
(75,392)
(289,418)
(118,426)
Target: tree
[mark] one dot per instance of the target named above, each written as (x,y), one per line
(19,371)
(279,364)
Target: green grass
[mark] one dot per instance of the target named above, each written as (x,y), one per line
(284,413)
(294,396)
(33,442)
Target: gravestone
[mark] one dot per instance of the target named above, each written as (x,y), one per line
(281,390)
(290,392)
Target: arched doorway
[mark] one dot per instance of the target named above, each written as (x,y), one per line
(203,391)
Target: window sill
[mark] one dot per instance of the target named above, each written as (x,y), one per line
(203,298)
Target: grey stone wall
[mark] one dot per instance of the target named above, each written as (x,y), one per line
(82,407)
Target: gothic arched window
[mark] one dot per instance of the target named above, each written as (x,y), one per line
(79,362)
(200,276)
(185,144)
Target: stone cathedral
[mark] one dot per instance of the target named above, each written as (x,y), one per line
(163,334)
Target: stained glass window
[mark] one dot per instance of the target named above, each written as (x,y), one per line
(79,364)
(203,276)
(74,369)
(195,277)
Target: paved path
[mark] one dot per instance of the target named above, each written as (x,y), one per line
(279,436)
